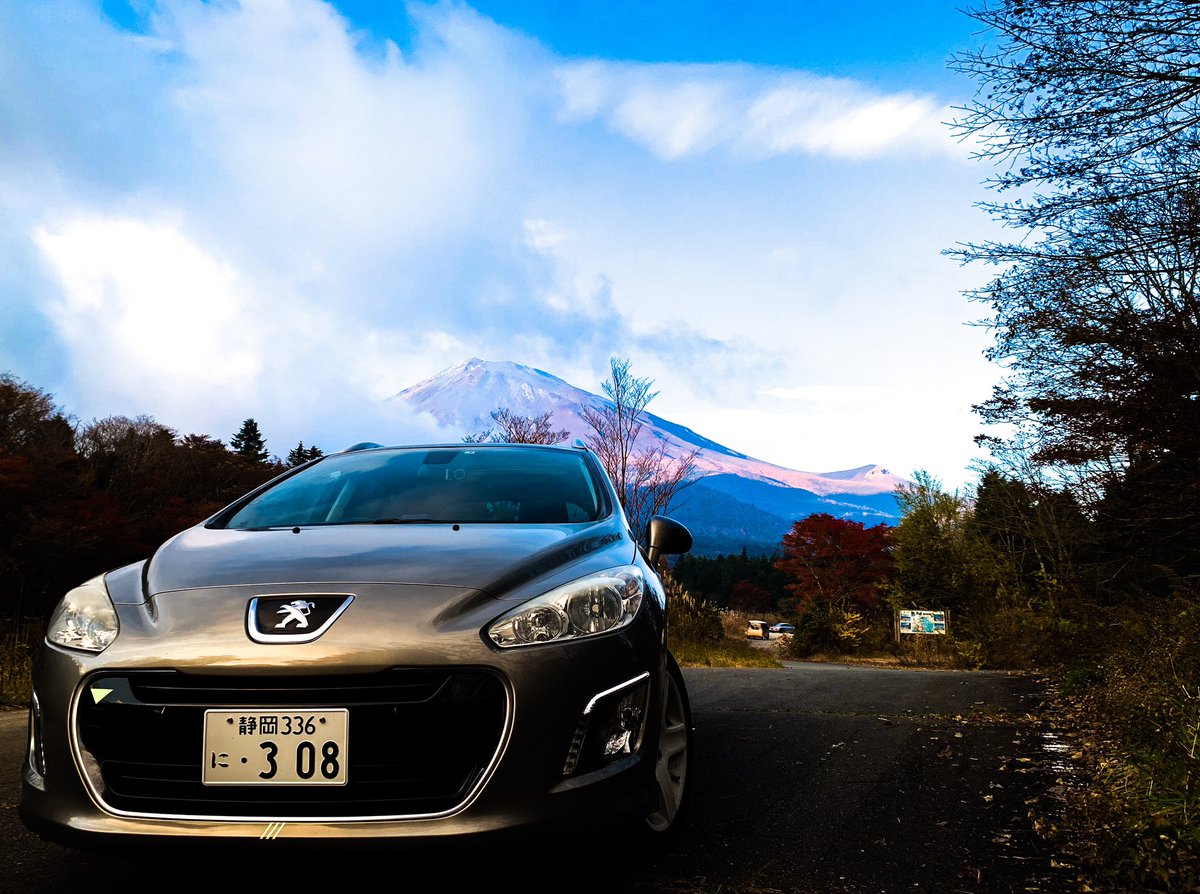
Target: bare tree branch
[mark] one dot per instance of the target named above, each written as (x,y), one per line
(514,429)
(647,477)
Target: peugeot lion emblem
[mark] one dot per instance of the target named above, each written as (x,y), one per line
(297,610)
(294,618)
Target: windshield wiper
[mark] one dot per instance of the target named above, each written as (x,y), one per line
(406,520)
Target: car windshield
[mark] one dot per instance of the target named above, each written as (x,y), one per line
(471,484)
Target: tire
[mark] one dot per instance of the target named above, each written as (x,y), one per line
(673,765)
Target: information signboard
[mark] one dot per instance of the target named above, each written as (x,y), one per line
(922,622)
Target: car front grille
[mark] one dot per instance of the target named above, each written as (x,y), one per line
(420,741)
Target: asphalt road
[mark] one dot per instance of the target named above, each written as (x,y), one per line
(813,778)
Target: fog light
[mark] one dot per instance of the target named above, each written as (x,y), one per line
(628,730)
(611,726)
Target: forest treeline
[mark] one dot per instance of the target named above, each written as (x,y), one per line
(79,499)
(1029,576)
(1029,572)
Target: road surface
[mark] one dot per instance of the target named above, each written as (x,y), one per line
(811,778)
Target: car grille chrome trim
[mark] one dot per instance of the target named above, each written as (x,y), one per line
(36,757)
(462,719)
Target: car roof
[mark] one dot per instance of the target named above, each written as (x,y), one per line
(460,445)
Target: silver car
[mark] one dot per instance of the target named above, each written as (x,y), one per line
(383,643)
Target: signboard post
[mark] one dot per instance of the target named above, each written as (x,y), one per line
(920,622)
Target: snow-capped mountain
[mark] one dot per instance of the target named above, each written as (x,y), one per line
(739,501)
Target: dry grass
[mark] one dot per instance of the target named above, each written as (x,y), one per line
(1135,719)
(18,639)
(727,653)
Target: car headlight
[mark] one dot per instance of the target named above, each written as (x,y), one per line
(85,618)
(595,604)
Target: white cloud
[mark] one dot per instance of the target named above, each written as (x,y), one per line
(545,235)
(839,394)
(904,435)
(681,110)
(784,255)
(352,154)
(143,309)
(154,322)
(674,119)
(843,120)
(253,210)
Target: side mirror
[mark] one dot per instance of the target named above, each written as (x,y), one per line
(665,536)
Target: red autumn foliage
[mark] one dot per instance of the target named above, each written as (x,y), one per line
(748,596)
(836,561)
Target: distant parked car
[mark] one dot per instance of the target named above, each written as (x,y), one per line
(758,630)
(783,628)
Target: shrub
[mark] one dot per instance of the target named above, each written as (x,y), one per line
(816,631)
(1142,722)
(18,643)
(691,619)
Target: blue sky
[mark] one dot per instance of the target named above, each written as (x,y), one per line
(875,41)
(293,210)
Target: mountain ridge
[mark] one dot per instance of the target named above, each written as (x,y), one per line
(463,396)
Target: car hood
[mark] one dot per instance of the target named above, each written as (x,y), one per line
(491,558)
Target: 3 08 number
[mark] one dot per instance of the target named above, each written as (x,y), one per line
(307,764)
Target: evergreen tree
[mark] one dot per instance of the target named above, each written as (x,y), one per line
(301,454)
(249,442)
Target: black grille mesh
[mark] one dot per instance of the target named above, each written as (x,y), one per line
(419,740)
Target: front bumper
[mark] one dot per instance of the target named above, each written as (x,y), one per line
(529,780)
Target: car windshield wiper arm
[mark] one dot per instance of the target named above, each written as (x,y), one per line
(405,520)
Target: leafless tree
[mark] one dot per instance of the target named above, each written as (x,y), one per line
(1086,100)
(513,429)
(1090,110)
(646,477)
(654,478)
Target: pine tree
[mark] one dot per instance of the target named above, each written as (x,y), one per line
(297,456)
(248,441)
(301,454)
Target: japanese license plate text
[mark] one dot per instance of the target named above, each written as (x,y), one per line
(269,746)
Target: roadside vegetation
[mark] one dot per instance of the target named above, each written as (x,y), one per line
(726,653)
(18,645)
(1090,115)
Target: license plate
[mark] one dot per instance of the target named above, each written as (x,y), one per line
(266,746)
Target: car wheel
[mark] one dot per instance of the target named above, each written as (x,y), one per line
(672,769)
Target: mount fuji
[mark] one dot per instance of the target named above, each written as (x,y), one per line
(736,502)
